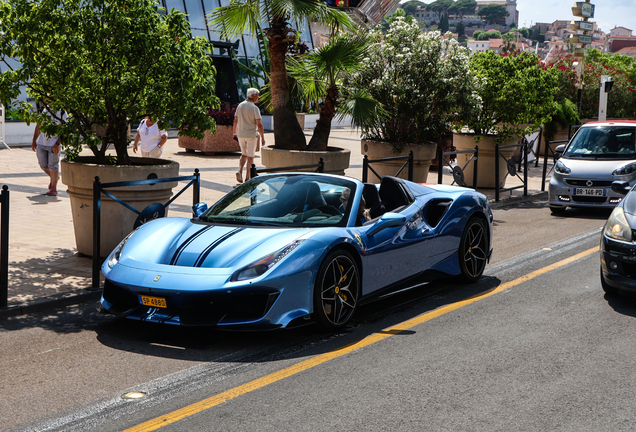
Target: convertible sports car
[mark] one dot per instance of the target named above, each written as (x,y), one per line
(286,249)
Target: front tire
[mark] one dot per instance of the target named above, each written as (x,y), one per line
(473,250)
(337,290)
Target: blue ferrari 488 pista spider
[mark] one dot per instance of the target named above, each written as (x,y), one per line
(285,249)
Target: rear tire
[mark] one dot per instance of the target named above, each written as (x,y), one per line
(337,290)
(473,250)
(608,289)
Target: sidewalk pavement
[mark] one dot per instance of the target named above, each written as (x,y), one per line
(45,270)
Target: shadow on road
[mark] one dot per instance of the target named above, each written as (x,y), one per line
(621,304)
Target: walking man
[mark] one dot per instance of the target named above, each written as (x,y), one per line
(247,127)
(47,150)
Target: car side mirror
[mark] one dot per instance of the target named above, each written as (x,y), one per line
(388,220)
(558,151)
(199,208)
(621,187)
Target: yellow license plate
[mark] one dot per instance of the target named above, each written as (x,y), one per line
(153,301)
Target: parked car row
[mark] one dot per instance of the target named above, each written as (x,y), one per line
(283,250)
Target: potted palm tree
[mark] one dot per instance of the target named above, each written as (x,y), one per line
(240,16)
(516,96)
(107,63)
(422,83)
(318,75)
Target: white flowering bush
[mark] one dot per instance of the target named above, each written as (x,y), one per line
(422,81)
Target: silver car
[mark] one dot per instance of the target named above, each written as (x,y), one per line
(599,153)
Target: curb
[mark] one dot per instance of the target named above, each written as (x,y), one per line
(52,302)
(518,200)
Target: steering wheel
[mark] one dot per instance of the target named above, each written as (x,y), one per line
(328,209)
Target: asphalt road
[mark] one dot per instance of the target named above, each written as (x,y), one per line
(535,345)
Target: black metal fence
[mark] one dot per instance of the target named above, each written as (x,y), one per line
(319,168)
(366,166)
(4,246)
(458,172)
(512,169)
(99,189)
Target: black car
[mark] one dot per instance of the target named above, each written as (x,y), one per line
(618,245)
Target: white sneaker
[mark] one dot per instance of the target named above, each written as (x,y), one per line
(239,177)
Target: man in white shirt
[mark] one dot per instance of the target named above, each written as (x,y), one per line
(247,120)
(47,150)
(150,138)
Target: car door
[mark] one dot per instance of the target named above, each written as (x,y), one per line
(396,253)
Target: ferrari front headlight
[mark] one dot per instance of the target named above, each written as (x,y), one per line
(116,254)
(259,267)
(617,227)
(561,168)
(626,170)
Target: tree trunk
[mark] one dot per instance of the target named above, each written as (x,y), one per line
(287,132)
(320,138)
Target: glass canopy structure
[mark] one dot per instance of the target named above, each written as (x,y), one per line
(232,81)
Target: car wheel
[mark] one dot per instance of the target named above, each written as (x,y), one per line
(608,289)
(337,290)
(473,250)
(557,210)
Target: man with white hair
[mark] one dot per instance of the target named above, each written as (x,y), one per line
(247,120)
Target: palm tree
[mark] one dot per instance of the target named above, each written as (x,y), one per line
(232,20)
(340,56)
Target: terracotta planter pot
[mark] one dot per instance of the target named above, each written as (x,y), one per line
(336,159)
(486,163)
(116,220)
(211,144)
(423,154)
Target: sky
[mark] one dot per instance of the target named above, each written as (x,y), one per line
(608,13)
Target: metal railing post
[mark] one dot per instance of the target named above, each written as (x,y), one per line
(525,172)
(496,172)
(536,161)
(96,231)
(253,172)
(365,168)
(411,166)
(196,191)
(4,246)
(321,166)
(476,163)
(440,166)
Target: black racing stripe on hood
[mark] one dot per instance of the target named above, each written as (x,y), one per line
(209,249)
(186,243)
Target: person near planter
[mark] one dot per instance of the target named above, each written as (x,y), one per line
(150,138)
(247,128)
(47,149)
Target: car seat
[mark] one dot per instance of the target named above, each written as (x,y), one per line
(372,198)
(392,193)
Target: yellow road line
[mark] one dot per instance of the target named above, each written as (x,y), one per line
(315,361)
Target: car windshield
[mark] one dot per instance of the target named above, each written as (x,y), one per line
(293,200)
(603,142)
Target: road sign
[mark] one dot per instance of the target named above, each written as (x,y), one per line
(581,39)
(582,25)
(583,9)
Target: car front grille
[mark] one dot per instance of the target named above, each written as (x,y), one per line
(588,199)
(197,308)
(583,183)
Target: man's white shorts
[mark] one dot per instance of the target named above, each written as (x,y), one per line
(248,146)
